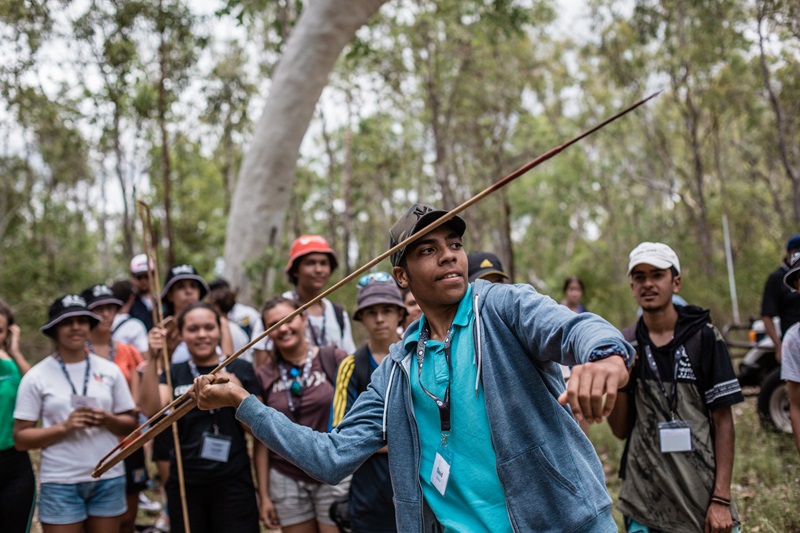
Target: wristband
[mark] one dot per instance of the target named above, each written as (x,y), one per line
(721,501)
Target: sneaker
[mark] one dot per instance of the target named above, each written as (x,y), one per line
(146,504)
(162,524)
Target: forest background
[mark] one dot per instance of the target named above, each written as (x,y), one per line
(107,101)
(103,102)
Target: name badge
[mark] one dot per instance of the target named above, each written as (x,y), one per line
(216,447)
(675,436)
(441,469)
(83,401)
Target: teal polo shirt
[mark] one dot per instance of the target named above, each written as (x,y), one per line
(474,499)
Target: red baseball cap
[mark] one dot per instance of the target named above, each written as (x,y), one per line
(310,244)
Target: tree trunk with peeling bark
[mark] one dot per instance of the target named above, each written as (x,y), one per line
(267,173)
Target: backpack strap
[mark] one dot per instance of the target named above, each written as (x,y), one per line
(339,311)
(363,369)
(120,325)
(327,358)
(697,346)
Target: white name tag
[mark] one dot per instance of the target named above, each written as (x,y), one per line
(441,472)
(83,401)
(216,448)
(675,436)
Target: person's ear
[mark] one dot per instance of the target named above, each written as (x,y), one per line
(400,276)
(676,284)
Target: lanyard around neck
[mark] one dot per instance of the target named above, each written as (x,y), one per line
(193,366)
(112,349)
(196,374)
(320,340)
(66,374)
(672,400)
(443,404)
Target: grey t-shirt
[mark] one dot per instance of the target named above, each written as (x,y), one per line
(790,355)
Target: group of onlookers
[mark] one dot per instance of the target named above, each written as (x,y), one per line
(107,374)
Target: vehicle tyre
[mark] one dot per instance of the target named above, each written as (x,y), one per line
(773,402)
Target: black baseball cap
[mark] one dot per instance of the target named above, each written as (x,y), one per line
(790,278)
(480,264)
(416,218)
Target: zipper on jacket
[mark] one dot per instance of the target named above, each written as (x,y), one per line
(418,452)
(476,345)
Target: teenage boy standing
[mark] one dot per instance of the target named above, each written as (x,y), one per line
(676,410)
(381,310)
(142,268)
(311,263)
(471,403)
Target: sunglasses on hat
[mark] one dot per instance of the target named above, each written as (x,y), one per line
(374,277)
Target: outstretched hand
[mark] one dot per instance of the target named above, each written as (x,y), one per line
(214,392)
(590,383)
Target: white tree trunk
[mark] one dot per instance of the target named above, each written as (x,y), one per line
(267,174)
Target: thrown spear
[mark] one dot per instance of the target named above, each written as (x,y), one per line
(180,406)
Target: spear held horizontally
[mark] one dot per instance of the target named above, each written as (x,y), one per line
(180,406)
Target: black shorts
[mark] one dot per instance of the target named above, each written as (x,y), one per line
(135,472)
(223,505)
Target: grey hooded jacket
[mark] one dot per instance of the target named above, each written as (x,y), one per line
(551,475)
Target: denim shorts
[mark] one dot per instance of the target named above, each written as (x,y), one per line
(297,501)
(73,503)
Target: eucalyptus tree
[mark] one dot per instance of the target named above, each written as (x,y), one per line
(257,212)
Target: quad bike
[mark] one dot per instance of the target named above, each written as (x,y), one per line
(759,368)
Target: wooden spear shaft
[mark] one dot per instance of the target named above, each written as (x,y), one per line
(184,408)
(158,318)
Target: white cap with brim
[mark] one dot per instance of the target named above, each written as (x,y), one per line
(653,253)
(140,264)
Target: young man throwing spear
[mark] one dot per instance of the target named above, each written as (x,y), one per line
(471,402)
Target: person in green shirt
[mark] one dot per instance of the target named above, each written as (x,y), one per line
(17,484)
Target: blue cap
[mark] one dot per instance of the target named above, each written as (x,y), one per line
(793,243)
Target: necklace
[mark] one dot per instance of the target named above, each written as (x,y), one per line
(295,388)
(112,349)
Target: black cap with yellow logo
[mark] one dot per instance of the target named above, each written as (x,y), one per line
(481,264)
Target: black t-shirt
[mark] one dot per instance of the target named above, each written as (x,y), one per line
(780,301)
(193,427)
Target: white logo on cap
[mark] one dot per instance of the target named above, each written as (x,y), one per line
(101,290)
(183,269)
(73,300)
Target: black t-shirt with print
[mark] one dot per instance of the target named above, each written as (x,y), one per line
(193,427)
(671,491)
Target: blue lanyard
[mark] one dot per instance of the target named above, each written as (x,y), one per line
(112,349)
(66,374)
(442,404)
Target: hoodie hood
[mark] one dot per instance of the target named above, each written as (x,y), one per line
(690,319)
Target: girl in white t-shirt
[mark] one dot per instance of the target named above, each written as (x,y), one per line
(84,405)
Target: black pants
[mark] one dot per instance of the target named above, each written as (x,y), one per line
(17,491)
(220,507)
